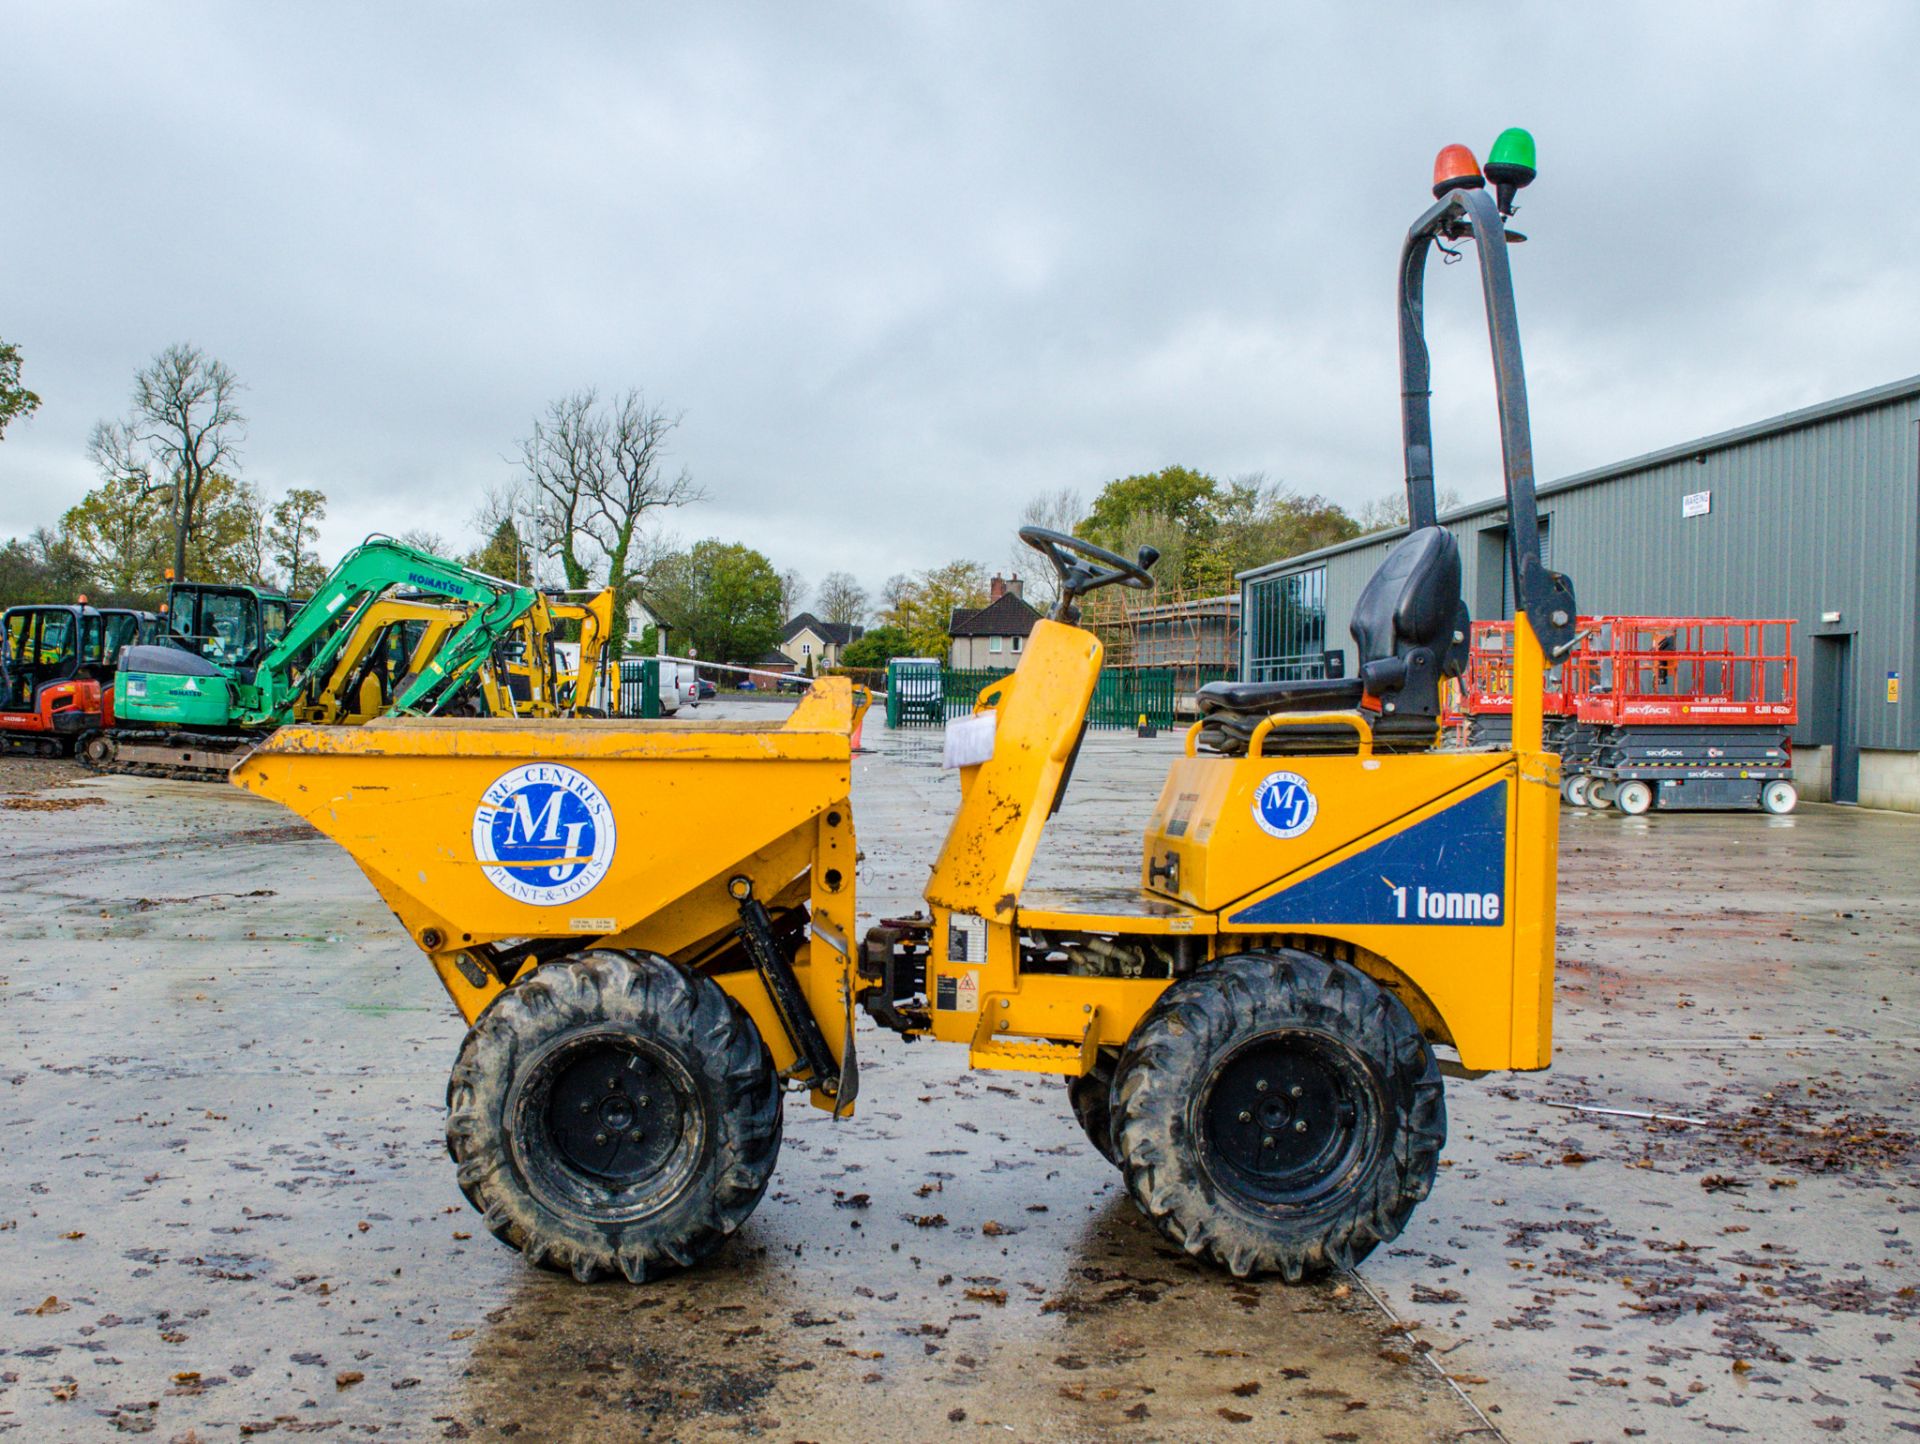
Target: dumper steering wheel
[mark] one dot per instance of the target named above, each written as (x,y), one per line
(1073,560)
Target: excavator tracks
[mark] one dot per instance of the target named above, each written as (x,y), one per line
(178,756)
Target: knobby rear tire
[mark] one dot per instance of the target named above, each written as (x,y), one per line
(1090,1094)
(1280,1005)
(704,1067)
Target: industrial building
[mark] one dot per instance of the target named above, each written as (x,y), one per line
(1812,516)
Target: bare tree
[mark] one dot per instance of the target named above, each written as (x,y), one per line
(425,539)
(896,598)
(185,425)
(595,474)
(841,599)
(1059,510)
(793,594)
(255,547)
(1384,513)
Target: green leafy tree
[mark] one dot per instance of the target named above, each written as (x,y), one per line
(922,605)
(15,400)
(295,529)
(120,532)
(1179,493)
(501,556)
(1207,530)
(41,568)
(877,647)
(182,433)
(222,528)
(721,598)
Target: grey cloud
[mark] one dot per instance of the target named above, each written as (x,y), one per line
(903,266)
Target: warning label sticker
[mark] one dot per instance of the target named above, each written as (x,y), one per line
(957,992)
(966,938)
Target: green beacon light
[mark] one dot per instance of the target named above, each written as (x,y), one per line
(1510,166)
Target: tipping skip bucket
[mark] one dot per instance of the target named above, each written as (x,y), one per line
(614,832)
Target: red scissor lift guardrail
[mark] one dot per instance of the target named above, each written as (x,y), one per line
(1690,712)
(1486,687)
(1669,711)
(1685,670)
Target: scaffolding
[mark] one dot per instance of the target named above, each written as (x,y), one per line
(1196,636)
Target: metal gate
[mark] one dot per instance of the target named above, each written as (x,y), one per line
(925,694)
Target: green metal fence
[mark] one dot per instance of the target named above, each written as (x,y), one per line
(916,697)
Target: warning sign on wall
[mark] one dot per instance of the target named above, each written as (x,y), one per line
(1893,686)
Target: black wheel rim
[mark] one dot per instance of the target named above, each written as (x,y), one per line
(607,1124)
(1288,1119)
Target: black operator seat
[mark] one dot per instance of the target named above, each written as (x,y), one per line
(1410,627)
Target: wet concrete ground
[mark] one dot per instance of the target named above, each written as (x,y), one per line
(227,1210)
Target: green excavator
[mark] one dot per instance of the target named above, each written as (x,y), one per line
(238,660)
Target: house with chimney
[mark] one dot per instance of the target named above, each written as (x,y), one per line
(813,645)
(992,637)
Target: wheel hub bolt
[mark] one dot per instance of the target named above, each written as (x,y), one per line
(1295,1091)
(1267,1142)
(600,1139)
(586,1105)
(643,1100)
(635,1135)
(1245,1117)
(1299,1125)
(1260,1086)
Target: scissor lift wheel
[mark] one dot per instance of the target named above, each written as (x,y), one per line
(613,1115)
(1574,790)
(1633,797)
(1278,1112)
(1779,797)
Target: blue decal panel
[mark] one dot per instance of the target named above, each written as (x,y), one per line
(1448,871)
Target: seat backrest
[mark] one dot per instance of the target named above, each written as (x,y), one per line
(1410,623)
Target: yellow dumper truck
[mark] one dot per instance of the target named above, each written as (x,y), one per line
(1251,1029)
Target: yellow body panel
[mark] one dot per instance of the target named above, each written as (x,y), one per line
(1039,712)
(676,808)
(1434,872)
(1206,826)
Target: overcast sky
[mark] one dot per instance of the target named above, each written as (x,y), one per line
(903,266)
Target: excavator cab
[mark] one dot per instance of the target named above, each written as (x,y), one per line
(51,661)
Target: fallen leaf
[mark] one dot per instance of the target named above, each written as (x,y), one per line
(347,1378)
(1246,1390)
(1234,1416)
(52,1305)
(988,1296)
